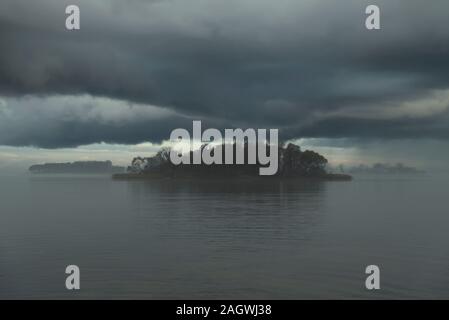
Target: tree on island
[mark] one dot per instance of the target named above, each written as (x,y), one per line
(293,162)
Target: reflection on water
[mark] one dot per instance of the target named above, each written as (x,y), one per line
(223,239)
(227,210)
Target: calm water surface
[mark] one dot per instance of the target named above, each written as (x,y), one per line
(162,239)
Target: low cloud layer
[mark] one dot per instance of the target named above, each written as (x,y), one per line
(138,69)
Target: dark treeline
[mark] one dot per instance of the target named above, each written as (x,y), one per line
(292,162)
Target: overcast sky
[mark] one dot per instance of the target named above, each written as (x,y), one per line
(138,69)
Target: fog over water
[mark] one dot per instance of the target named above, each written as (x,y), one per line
(168,239)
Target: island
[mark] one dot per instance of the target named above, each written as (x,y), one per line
(293,163)
(78,167)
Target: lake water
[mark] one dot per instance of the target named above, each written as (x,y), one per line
(220,240)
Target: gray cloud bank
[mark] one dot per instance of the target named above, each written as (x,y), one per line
(138,69)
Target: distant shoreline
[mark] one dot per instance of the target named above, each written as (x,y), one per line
(77,167)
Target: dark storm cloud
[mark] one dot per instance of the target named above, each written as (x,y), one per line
(295,65)
(70,121)
(363,128)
